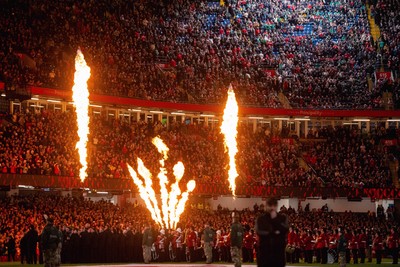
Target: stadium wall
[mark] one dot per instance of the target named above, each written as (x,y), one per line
(337,204)
(66,95)
(238,203)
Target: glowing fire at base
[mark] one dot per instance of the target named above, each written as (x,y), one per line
(172,206)
(80,96)
(229,130)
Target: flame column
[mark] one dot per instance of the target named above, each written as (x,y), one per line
(80,96)
(229,130)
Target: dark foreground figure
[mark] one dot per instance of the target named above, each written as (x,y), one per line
(272,229)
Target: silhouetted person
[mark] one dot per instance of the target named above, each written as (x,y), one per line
(272,229)
(32,239)
(10,248)
(23,247)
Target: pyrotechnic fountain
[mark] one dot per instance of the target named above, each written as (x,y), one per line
(80,96)
(229,130)
(172,202)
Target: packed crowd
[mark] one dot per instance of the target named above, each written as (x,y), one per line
(37,143)
(90,227)
(318,53)
(350,159)
(44,144)
(386,16)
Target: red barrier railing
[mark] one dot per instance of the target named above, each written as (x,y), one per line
(107,184)
(218,109)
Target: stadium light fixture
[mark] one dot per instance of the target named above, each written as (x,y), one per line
(95,106)
(53,101)
(281,119)
(256,118)
(156,112)
(26,186)
(3,95)
(361,120)
(350,123)
(135,110)
(302,119)
(102,192)
(393,120)
(207,115)
(178,113)
(37,106)
(34,98)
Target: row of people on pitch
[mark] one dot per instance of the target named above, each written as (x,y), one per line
(304,245)
(360,245)
(194,246)
(187,245)
(106,223)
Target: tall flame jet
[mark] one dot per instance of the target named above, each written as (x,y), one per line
(229,130)
(80,96)
(172,202)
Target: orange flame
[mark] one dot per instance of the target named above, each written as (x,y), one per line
(229,130)
(80,96)
(146,191)
(171,205)
(162,176)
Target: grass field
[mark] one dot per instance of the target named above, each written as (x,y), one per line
(385,262)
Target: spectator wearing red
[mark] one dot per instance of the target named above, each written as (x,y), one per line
(191,243)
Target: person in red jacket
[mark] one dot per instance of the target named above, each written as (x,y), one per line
(353,246)
(190,242)
(219,246)
(325,241)
(177,245)
(319,245)
(291,246)
(308,247)
(248,246)
(160,245)
(333,242)
(297,242)
(362,245)
(349,237)
(377,245)
(226,255)
(393,245)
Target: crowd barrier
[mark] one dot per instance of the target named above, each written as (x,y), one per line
(205,189)
(66,95)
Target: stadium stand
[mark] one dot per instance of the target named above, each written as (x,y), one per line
(290,54)
(44,144)
(319,54)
